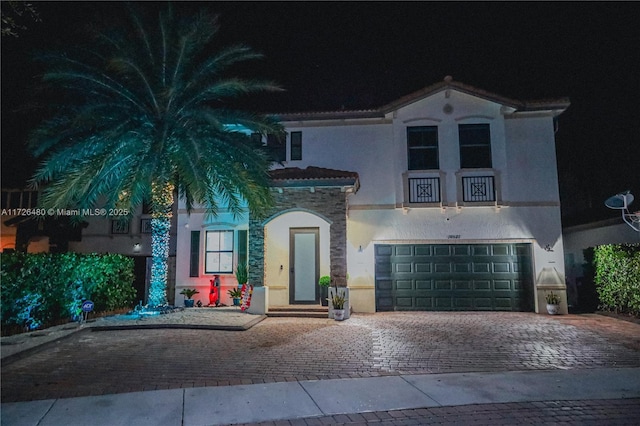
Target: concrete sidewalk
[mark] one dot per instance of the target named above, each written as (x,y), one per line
(317,398)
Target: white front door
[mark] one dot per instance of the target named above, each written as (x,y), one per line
(303,277)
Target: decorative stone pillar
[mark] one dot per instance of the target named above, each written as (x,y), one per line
(256,252)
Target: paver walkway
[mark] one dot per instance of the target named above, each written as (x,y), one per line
(294,349)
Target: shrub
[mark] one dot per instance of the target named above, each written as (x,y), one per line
(44,288)
(617,277)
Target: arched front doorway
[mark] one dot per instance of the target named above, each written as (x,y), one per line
(297,253)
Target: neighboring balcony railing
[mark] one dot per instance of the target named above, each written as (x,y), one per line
(478,189)
(424,190)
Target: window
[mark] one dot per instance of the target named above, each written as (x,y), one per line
(475,146)
(277,147)
(296,146)
(219,252)
(145,226)
(422,144)
(119,226)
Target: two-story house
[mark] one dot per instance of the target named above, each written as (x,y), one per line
(446,199)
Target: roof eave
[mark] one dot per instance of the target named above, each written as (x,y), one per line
(315,183)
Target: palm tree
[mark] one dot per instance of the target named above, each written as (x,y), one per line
(142,115)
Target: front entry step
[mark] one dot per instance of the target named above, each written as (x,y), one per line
(298,311)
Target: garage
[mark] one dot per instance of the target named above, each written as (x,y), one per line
(453,277)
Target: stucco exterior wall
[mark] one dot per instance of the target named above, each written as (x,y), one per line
(198,220)
(579,238)
(435,226)
(531,161)
(277,248)
(527,206)
(365,148)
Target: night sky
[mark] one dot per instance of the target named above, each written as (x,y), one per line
(359,55)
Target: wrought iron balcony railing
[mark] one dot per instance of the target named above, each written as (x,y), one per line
(424,190)
(478,189)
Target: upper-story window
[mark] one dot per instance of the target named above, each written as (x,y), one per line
(296,146)
(275,145)
(422,147)
(475,146)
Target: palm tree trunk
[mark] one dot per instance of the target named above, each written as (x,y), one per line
(161,201)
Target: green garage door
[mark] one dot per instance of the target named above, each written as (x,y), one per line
(454,277)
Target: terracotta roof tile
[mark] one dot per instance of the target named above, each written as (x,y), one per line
(557,105)
(311,173)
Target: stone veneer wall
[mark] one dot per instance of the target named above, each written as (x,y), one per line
(330,203)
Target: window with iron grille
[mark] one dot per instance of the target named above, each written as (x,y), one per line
(145,226)
(475,146)
(424,190)
(478,188)
(422,147)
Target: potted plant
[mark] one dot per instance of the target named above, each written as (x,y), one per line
(324,283)
(236,295)
(337,302)
(189,293)
(242,274)
(553,303)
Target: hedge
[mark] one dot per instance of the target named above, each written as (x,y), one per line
(617,277)
(44,288)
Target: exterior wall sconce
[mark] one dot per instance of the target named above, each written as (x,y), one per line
(137,247)
(548,248)
(360,249)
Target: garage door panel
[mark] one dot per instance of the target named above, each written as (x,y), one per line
(500,250)
(483,267)
(462,285)
(482,285)
(464,303)
(443,302)
(442,267)
(483,303)
(423,267)
(424,302)
(502,285)
(454,277)
(383,250)
(424,285)
(384,285)
(423,250)
(403,267)
(461,250)
(404,250)
(441,250)
(504,302)
(501,267)
(481,250)
(443,285)
(461,267)
(404,302)
(404,285)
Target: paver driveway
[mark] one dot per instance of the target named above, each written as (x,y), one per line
(285,349)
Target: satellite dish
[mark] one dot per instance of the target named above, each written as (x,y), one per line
(619,201)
